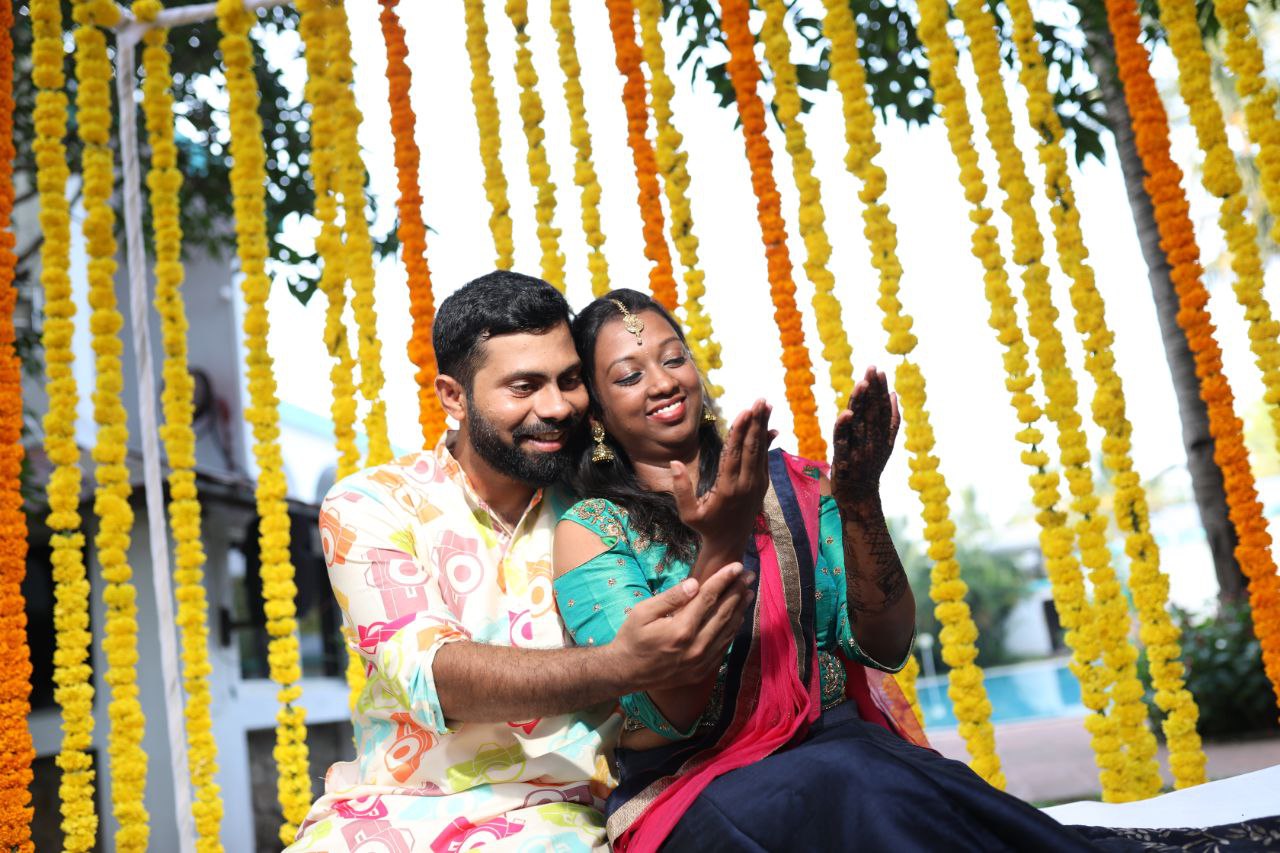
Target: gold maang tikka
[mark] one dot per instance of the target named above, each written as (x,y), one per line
(630,322)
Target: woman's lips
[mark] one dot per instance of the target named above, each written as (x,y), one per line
(670,414)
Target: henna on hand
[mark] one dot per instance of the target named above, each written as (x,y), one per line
(876,579)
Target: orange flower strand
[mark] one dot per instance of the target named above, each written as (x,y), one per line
(412,231)
(16,750)
(627,57)
(745,75)
(1177,236)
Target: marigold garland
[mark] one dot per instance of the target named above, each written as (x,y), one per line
(826,308)
(72,674)
(349,181)
(1247,63)
(412,231)
(532,114)
(486,107)
(673,164)
(584,170)
(1221,179)
(745,75)
(248,177)
(320,93)
(1177,238)
(1057,540)
(164,182)
(1149,585)
(16,750)
(1133,774)
(907,683)
(627,56)
(111,496)
(958,635)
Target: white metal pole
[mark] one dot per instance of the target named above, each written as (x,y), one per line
(140,318)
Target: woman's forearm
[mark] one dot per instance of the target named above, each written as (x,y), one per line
(881,605)
(683,706)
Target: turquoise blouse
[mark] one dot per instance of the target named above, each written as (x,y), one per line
(595,598)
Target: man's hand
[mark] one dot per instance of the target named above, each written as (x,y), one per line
(725,515)
(681,636)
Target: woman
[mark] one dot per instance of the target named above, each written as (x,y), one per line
(799,740)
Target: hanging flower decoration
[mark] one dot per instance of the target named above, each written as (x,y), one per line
(584,170)
(349,181)
(745,75)
(673,164)
(111,497)
(72,675)
(486,107)
(826,308)
(16,750)
(164,182)
(1150,586)
(248,177)
(1177,238)
(1133,774)
(1247,63)
(947,589)
(906,679)
(412,231)
(1221,179)
(532,114)
(627,56)
(319,92)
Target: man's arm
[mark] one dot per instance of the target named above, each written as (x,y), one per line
(671,640)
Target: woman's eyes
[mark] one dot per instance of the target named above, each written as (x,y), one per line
(675,362)
(630,379)
(633,377)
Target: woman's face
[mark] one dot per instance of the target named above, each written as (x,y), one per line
(648,389)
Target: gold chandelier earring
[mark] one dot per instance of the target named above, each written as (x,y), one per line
(708,416)
(601,452)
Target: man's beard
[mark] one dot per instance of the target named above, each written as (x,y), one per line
(535,467)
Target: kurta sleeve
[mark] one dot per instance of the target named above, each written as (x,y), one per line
(393,612)
(595,598)
(831,556)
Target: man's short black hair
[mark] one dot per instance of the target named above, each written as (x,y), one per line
(499,303)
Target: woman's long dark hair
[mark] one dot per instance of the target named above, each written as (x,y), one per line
(651,515)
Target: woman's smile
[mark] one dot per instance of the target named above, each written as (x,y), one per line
(671,412)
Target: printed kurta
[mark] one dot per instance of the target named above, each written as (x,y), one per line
(416,561)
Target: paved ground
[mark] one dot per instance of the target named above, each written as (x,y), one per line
(1049,761)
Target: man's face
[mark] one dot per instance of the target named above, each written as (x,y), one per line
(524,403)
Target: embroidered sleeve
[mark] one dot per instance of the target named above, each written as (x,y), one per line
(393,611)
(831,558)
(595,598)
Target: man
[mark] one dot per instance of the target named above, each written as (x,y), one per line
(478,724)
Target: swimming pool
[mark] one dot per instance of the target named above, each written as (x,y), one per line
(1029,691)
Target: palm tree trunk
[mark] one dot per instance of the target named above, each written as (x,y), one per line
(1206,477)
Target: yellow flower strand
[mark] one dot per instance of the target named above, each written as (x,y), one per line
(826,308)
(967,691)
(1246,62)
(907,683)
(1222,180)
(349,181)
(164,182)
(486,107)
(72,676)
(673,163)
(111,495)
(584,170)
(1057,539)
(1133,773)
(248,177)
(319,93)
(532,114)
(1150,586)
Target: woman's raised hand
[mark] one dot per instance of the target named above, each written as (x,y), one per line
(725,516)
(864,436)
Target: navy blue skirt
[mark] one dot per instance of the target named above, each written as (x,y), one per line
(852,785)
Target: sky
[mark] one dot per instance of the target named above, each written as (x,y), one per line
(941,288)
